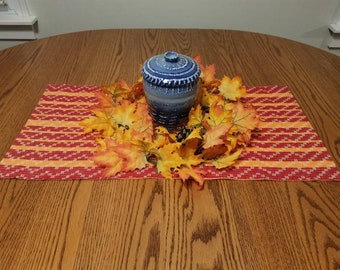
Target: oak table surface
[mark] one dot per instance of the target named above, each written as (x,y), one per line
(164,224)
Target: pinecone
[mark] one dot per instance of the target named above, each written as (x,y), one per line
(183,133)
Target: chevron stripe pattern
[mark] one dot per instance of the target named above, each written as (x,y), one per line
(52,145)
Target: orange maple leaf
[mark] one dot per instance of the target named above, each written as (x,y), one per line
(137,90)
(245,117)
(196,174)
(214,152)
(215,135)
(105,101)
(232,89)
(207,72)
(142,125)
(244,138)
(110,161)
(132,156)
(120,157)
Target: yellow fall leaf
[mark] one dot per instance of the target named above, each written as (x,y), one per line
(168,159)
(132,155)
(101,144)
(194,134)
(124,114)
(207,98)
(195,116)
(188,149)
(232,142)
(232,89)
(101,122)
(226,160)
(162,137)
(118,90)
(217,115)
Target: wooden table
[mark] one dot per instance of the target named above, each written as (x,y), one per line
(163,224)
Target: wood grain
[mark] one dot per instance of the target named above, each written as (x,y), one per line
(164,224)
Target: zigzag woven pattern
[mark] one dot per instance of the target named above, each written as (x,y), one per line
(52,145)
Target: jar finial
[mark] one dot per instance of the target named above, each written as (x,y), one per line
(171,56)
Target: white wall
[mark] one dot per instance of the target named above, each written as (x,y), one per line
(301,20)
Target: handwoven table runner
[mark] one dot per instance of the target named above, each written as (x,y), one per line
(52,145)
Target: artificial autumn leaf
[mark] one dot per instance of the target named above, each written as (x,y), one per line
(191,159)
(162,137)
(101,144)
(120,157)
(207,72)
(110,161)
(137,90)
(232,141)
(105,101)
(244,138)
(142,126)
(215,136)
(226,160)
(208,98)
(232,89)
(107,158)
(218,115)
(186,173)
(194,134)
(117,90)
(123,134)
(132,155)
(195,116)
(149,149)
(168,159)
(214,151)
(101,122)
(124,114)
(188,150)
(245,117)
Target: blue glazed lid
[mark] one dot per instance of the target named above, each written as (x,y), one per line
(170,69)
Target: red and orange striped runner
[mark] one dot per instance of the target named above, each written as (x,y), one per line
(52,145)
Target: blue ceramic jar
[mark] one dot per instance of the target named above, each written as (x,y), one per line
(170,83)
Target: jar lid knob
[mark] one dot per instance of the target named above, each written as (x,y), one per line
(171,56)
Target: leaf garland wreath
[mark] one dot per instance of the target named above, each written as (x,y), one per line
(218,129)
